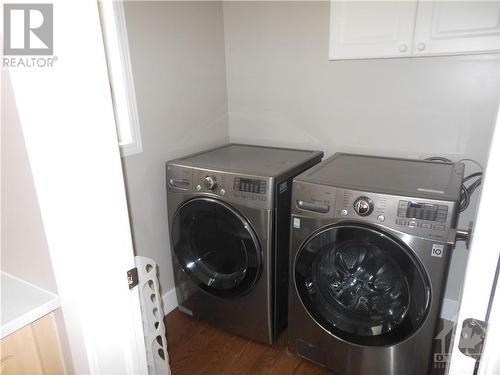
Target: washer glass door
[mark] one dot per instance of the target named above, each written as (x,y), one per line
(216,247)
(361,284)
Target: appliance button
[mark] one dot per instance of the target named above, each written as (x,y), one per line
(198,187)
(438,227)
(412,224)
(363,206)
(343,212)
(222,192)
(210,182)
(425,226)
(380,217)
(401,222)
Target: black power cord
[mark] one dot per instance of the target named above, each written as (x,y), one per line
(467,191)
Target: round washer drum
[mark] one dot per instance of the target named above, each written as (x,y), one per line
(362,285)
(216,247)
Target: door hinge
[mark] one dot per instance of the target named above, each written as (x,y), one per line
(133,278)
(472,338)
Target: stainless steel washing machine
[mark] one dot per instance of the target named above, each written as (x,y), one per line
(229,220)
(371,240)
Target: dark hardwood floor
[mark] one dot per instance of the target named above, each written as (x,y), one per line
(196,348)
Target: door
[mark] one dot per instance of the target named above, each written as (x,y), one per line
(482,269)
(449,27)
(364,29)
(66,115)
(362,285)
(216,247)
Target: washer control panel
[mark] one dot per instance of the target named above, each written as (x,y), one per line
(424,215)
(415,216)
(429,219)
(422,211)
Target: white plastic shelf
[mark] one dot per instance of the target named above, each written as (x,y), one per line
(23,303)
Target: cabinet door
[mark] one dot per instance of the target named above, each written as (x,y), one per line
(368,29)
(454,27)
(31,350)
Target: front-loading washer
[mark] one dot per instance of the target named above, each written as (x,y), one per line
(229,220)
(370,250)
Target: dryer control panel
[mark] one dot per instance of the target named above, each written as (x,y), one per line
(250,185)
(252,191)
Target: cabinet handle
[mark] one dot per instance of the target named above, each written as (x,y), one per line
(421,46)
(403,47)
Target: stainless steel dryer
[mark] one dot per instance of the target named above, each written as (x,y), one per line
(369,258)
(229,219)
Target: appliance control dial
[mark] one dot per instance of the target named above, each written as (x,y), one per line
(210,182)
(363,206)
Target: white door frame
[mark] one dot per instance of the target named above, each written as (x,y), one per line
(68,124)
(481,266)
(490,359)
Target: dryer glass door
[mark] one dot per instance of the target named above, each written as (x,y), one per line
(216,247)
(361,284)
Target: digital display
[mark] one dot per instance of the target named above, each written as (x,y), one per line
(422,211)
(249,185)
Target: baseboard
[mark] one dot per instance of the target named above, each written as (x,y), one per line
(169,300)
(449,310)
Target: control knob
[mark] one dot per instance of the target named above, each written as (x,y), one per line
(363,206)
(210,182)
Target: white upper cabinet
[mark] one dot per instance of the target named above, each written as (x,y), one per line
(360,29)
(450,27)
(377,29)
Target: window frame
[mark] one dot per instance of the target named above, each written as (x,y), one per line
(121,80)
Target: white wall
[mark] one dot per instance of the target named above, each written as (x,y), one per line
(177,53)
(25,253)
(282,90)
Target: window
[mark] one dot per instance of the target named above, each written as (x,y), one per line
(120,75)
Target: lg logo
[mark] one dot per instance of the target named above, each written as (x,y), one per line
(437,250)
(28,29)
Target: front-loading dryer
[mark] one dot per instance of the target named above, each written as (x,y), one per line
(229,220)
(370,250)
